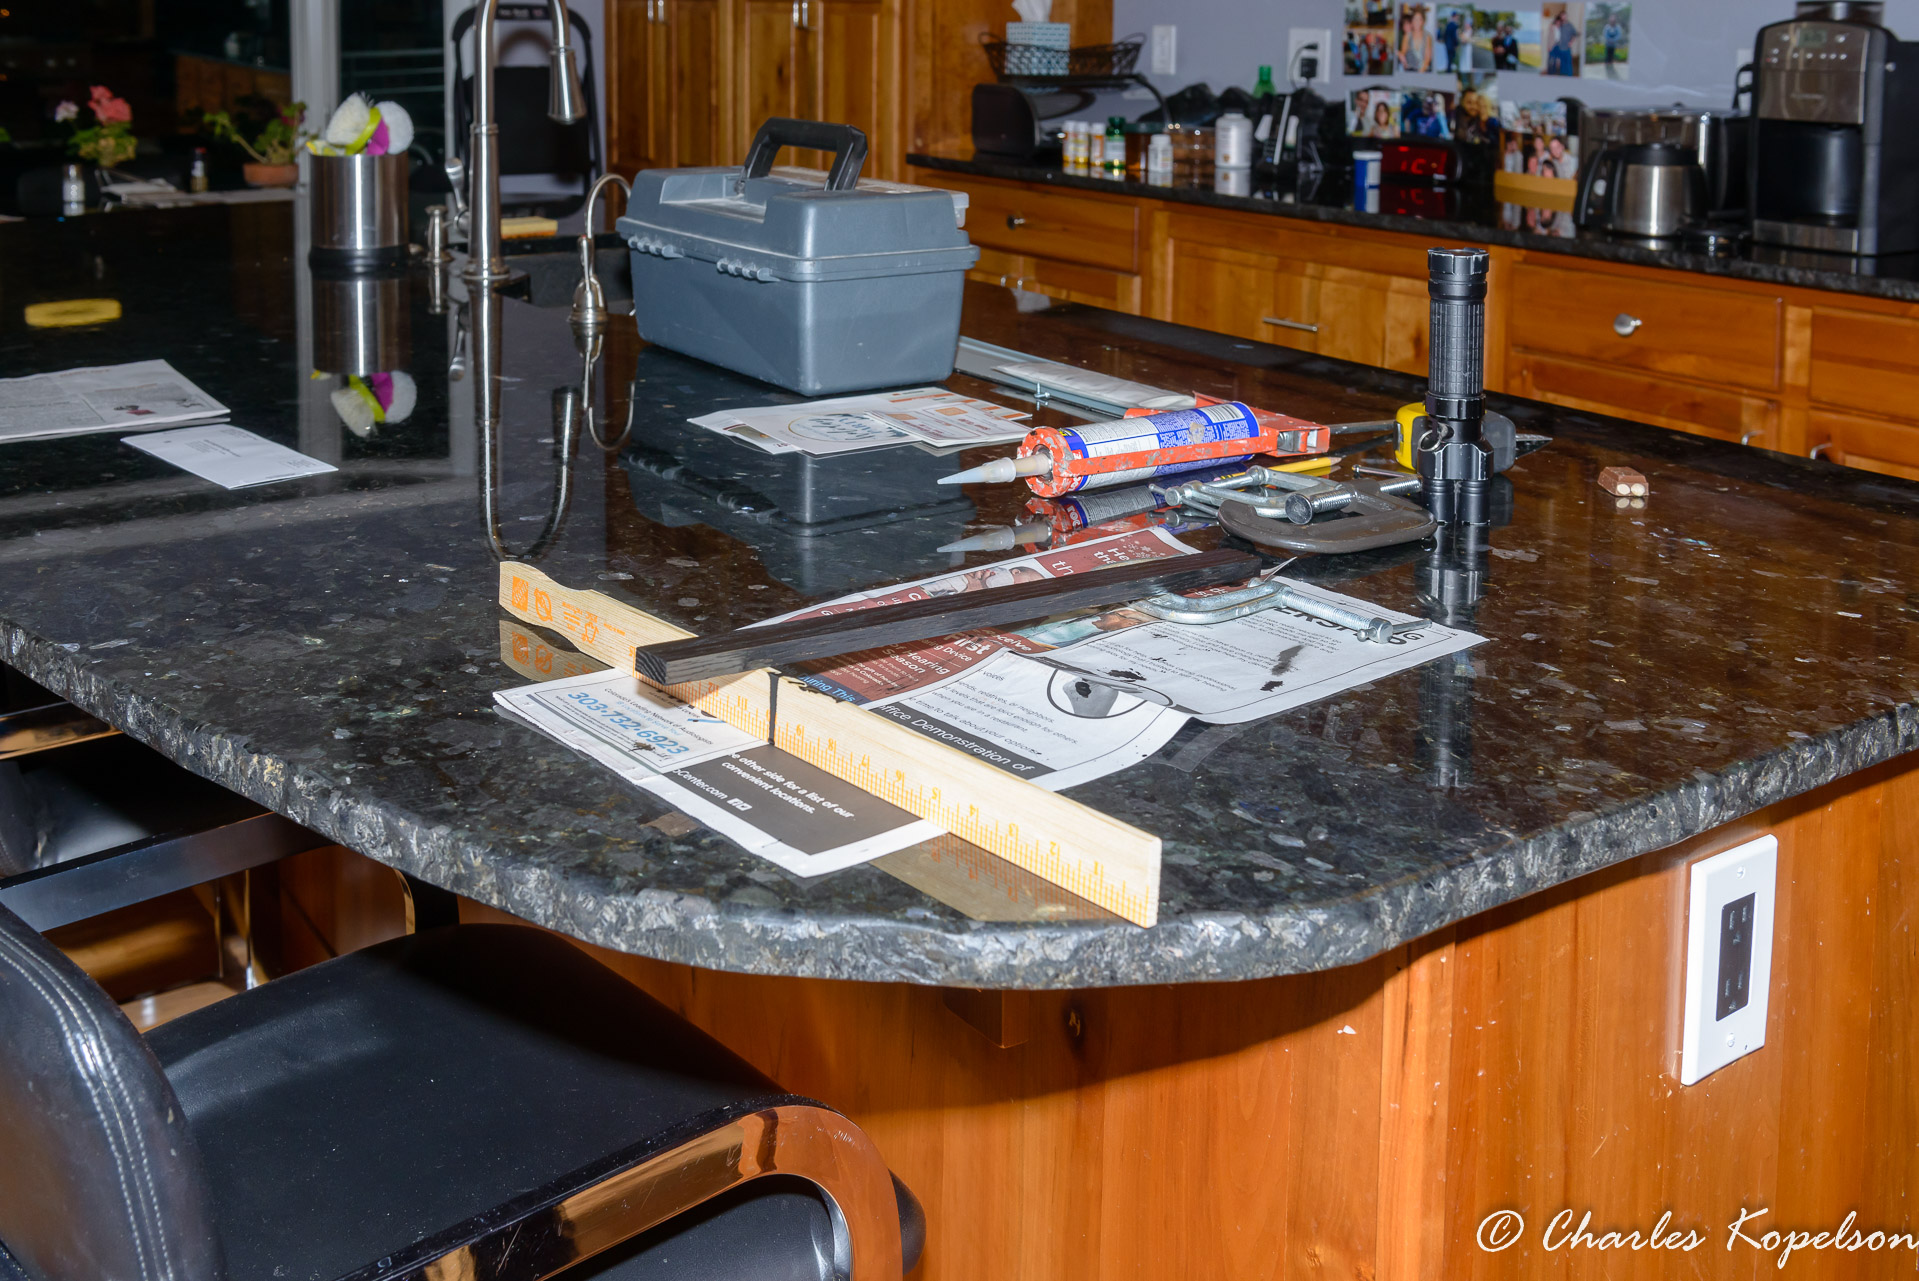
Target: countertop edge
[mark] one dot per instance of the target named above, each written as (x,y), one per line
(1888,289)
(1199,948)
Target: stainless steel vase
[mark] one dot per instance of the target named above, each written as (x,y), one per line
(359,210)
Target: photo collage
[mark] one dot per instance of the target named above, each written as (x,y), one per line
(1567,38)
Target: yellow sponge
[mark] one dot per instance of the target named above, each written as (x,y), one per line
(520,228)
(73,311)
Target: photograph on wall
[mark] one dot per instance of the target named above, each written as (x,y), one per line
(1561,27)
(1608,40)
(1476,109)
(1369,38)
(1425,113)
(1537,141)
(1528,46)
(1416,37)
(1373,113)
(1453,37)
(1495,40)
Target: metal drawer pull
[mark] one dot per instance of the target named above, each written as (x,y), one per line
(1747,437)
(1819,450)
(1626,325)
(1300,325)
(1014,220)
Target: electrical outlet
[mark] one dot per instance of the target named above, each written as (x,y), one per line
(1165,50)
(1298,38)
(1729,915)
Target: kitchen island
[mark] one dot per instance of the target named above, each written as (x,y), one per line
(1418,944)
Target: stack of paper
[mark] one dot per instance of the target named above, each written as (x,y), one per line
(919,415)
(139,396)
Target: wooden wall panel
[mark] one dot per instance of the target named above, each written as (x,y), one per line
(1362,1123)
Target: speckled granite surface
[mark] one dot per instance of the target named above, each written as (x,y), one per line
(1469,212)
(330,647)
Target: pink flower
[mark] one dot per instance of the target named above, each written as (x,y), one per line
(107,109)
(66,111)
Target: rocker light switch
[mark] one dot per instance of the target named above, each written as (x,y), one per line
(1728,956)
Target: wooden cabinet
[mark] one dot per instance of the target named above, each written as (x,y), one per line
(692,80)
(663,84)
(1864,388)
(213,84)
(1692,331)
(1311,290)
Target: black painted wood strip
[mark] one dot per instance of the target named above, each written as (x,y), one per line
(709,657)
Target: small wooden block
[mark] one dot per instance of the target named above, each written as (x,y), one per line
(1623,482)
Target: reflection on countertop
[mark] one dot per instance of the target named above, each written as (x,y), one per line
(329,647)
(1466,211)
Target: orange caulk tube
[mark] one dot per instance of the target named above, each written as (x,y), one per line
(1144,445)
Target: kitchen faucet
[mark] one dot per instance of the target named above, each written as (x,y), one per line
(485,265)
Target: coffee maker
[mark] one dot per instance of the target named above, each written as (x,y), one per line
(1835,148)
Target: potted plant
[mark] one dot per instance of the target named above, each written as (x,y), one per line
(272,148)
(109,140)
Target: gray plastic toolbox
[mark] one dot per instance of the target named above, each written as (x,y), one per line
(819,288)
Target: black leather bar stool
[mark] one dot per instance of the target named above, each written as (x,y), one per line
(481,1101)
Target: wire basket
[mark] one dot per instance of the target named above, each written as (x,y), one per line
(1089,61)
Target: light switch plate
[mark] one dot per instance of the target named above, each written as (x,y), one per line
(1729,916)
(1299,36)
(1165,50)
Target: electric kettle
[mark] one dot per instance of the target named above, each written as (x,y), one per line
(1642,189)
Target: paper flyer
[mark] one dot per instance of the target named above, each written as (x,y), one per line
(1252,667)
(1047,726)
(229,456)
(928,415)
(767,801)
(141,395)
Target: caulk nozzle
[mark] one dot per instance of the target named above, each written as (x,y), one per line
(1003,539)
(1001,470)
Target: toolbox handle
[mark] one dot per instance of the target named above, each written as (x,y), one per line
(847,144)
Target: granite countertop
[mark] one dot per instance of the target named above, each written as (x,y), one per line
(1468,211)
(330,647)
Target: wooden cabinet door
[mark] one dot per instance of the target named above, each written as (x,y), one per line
(688,57)
(841,76)
(1225,290)
(632,98)
(769,68)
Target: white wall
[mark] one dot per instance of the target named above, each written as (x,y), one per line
(1682,50)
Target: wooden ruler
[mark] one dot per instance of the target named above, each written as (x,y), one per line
(1097,857)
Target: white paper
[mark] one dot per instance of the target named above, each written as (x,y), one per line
(771,803)
(227,455)
(1051,727)
(932,415)
(141,395)
(628,726)
(1227,673)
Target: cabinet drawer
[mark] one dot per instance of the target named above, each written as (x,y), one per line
(1891,448)
(1068,281)
(1866,362)
(1713,334)
(1047,224)
(1704,411)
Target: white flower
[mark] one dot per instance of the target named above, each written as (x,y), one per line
(66,111)
(351,123)
(399,127)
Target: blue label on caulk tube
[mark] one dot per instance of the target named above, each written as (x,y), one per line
(1155,433)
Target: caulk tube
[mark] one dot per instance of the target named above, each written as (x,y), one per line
(1179,440)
